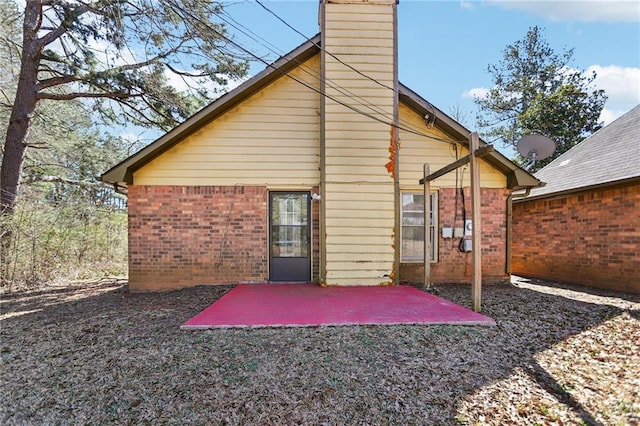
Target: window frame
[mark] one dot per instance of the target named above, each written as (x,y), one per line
(433,225)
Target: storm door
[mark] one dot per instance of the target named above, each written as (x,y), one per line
(289,236)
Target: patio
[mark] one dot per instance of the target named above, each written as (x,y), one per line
(309,305)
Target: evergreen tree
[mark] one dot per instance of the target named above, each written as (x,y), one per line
(117,53)
(535,90)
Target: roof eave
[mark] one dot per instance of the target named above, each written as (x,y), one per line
(570,191)
(517,178)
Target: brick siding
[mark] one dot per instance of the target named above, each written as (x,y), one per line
(186,236)
(183,236)
(453,266)
(192,235)
(590,238)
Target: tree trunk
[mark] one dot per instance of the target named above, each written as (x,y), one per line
(12,159)
(15,143)
(24,105)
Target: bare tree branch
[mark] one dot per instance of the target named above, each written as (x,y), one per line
(70,16)
(76,95)
(56,81)
(59,179)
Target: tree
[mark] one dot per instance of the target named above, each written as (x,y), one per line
(119,54)
(9,59)
(536,91)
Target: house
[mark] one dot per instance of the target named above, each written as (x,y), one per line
(309,172)
(583,227)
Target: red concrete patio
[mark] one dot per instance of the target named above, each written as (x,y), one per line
(309,305)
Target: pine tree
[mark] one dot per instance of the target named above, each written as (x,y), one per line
(535,90)
(119,55)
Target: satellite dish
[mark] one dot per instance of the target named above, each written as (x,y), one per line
(535,147)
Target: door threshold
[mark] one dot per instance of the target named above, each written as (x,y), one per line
(276,282)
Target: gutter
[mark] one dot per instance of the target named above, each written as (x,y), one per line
(594,187)
(322,264)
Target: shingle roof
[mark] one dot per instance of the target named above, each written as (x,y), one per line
(610,155)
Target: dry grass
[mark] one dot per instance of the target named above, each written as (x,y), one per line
(97,354)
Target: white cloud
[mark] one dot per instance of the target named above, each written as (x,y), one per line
(135,138)
(577,10)
(177,81)
(108,56)
(622,84)
(130,136)
(467,5)
(476,93)
(184,84)
(608,115)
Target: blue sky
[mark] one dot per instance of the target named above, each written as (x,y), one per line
(445,46)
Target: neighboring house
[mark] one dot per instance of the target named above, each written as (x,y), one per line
(309,172)
(583,227)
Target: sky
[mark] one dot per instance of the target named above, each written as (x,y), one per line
(446,46)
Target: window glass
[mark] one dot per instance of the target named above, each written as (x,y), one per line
(412,233)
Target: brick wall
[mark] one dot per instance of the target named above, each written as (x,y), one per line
(192,235)
(454,266)
(590,238)
(186,236)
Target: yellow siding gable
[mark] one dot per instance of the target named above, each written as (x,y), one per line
(271,138)
(415,150)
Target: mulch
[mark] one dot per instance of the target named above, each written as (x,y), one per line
(96,354)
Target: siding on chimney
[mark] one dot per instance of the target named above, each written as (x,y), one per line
(358,191)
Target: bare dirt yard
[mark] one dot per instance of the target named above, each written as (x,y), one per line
(96,354)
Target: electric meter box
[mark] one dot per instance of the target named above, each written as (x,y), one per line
(468,227)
